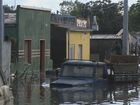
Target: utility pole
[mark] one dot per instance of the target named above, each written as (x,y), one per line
(1,41)
(125,28)
(68,43)
(1,32)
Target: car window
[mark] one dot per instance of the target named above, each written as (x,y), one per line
(77,71)
(100,73)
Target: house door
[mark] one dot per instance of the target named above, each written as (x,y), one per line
(101,75)
(72,51)
(80,51)
(27,51)
(42,55)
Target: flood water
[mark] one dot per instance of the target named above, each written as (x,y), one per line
(31,92)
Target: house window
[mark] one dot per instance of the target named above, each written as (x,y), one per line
(72,51)
(27,51)
(80,51)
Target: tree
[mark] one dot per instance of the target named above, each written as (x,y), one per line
(66,7)
(109,15)
(134,17)
(8,8)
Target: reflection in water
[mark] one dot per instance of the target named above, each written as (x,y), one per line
(115,94)
(80,94)
(42,89)
(32,93)
(126,92)
(28,92)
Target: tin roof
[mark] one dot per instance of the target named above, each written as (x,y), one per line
(105,36)
(120,32)
(72,28)
(119,35)
(10,18)
(35,8)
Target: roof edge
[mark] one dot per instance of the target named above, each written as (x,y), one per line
(81,30)
(71,27)
(35,8)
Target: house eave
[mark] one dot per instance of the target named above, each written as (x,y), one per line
(72,28)
(35,8)
(10,24)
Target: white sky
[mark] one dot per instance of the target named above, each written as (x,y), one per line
(51,4)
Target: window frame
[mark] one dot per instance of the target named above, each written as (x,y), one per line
(27,51)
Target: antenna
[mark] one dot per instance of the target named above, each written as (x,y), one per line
(14,4)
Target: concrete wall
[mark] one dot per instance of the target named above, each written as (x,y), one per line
(58,45)
(82,23)
(69,20)
(82,38)
(12,32)
(33,24)
(103,47)
(6,60)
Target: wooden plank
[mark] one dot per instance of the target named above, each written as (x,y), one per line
(123,59)
(125,68)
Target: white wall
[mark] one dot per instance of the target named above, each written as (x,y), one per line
(6,60)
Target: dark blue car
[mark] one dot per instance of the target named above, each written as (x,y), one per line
(82,73)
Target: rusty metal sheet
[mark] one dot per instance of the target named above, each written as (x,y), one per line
(125,68)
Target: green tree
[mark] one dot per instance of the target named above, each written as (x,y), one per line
(134,17)
(109,15)
(8,8)
(66,7)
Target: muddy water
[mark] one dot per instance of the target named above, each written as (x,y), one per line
(31,92)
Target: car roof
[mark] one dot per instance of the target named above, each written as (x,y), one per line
(81,62)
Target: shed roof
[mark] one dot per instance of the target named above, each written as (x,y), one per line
(105,36)
(72,28)
(119,35)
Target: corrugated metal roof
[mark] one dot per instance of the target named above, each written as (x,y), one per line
(120,32)
(131,38)
(105,36)
(72,28)
(9,18)
(35,8)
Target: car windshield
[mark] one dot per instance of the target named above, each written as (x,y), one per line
(77,71)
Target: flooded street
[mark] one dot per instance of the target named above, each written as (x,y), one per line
(33,93)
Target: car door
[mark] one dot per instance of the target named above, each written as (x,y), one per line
(101,76)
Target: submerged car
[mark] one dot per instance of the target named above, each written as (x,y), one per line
(82,73)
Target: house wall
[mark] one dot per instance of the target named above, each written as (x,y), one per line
(33,25)
(82,23)
(69,20)
(58,45)
(102,47)
(6,60)
(11,32)
(82,38)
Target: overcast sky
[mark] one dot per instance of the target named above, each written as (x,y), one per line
(51,4)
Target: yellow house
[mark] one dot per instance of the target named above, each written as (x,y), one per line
(69,42)
(78,43)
